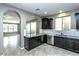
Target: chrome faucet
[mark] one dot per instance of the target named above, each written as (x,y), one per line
(61,33)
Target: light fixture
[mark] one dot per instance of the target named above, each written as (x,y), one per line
(60,11)
(45,12)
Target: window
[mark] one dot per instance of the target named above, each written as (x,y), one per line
(31,29)
(28,29)
(10,27)
(5,27)
(63,23)
(66,23)
(15,28)
(58,24)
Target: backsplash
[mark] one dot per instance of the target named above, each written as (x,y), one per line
(71,32)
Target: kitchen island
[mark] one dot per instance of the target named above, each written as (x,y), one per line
(31,42)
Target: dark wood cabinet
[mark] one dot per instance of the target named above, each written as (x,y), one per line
(71,44)
(44,38)
(77,20)
(76,44)
(57,41)
(26,43)
(47,23)
(32,42)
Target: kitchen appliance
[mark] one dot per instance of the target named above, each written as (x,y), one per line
(50,39)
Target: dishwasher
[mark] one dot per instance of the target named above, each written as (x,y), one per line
(50,39)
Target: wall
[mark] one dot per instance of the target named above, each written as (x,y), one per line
(71,13)
(73,30)
(25,16)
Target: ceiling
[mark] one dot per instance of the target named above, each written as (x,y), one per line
(48,8)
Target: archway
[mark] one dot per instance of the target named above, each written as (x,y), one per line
(11,30)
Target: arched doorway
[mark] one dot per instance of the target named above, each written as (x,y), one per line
(11,30)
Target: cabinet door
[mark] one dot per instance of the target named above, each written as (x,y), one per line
(35,41)
(44,39)
(44,24)
(63,42)
(57,41)
(50,24)
(70,44)
(77,20)
(76,46)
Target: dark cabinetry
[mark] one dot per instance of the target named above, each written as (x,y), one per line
(57,41)
(32,42)
(47,23)
(44,38)
(35,41)
(67,43)
(76,44)
(77,20)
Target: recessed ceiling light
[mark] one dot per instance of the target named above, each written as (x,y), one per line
(45,12)
(60,11)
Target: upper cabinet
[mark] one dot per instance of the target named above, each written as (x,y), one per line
(77,20)
(47,23)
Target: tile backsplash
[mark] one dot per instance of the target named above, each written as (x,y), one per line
(71,32)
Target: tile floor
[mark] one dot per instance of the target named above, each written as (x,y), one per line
(12,49)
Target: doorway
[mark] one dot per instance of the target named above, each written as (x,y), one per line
(11,31)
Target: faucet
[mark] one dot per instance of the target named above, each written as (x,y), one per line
(61,33)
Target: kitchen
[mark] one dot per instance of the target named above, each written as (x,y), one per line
(62,26)
(48,28)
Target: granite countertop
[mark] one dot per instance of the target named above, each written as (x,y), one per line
(34,35)
(68,36)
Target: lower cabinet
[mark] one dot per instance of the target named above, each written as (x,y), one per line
(44,39)
(57,41)
(76,48)
(32,42)
(67,43)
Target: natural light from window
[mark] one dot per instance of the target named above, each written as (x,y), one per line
(58,24)
(63,23)
(31,29)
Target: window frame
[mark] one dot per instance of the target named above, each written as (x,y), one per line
(62,20)
(30,27)
(13,27)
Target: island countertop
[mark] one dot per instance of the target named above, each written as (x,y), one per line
(34,35)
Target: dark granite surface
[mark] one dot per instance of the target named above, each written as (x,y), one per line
(68,36)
